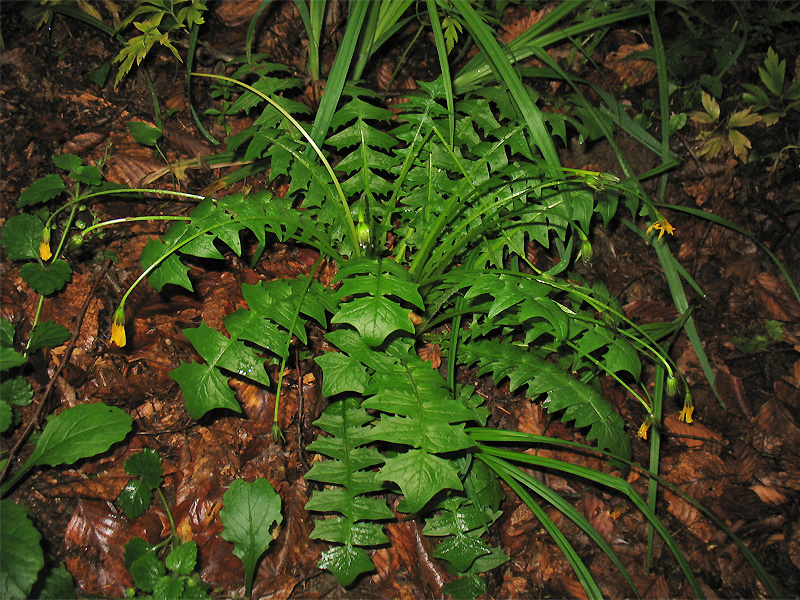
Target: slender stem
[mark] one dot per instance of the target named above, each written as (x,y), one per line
(275,425)
(345,207)
(166,508)
(131,219)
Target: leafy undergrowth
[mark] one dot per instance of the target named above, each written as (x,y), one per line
(742,463)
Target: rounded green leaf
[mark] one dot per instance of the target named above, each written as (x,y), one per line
(46,280)
(250,509)
(6,416)
(16,390)
(21,556)
(147,571)
(22,235)
(183,559)
(135,498)
(47,335)
(147,465)
(41,190)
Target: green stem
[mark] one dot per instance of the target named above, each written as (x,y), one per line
(343,199)
(169,513)
(132,219)
(275,426)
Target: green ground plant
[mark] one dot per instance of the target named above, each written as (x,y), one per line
(428,215)
(250,511)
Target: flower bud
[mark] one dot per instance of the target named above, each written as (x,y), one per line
(672,386)
(75,242)
(586,252)
(363,235)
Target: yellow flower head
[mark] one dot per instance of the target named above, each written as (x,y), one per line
(663,226)
(44,250)
(644,428)
(688,409)
(118,327)
(44,247)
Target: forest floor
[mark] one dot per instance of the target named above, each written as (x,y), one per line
(742,461)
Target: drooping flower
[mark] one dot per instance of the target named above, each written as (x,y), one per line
(44,247)
(644,428)
(663,226)
(688,409)
(44,251)
(118,327)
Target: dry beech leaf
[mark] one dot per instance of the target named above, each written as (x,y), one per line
(743,462)
(598,515)
(571,587)
(631,72)
(794,545)
(769,494)
(774,295)
(775,429)
(130,162)
(431,353)
(95,544)
(692,435)
(512,30)
(702,476)
(514,587)
(100,488)
(236,13)
(659,590)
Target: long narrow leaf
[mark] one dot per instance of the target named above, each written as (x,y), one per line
(615,483)
(338,74)
(562,505)
(485,434)
(505,73)
(584,576)
(441,51)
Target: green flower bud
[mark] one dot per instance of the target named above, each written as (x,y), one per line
(75,242)
(586,251)
(363,235)
(672,386)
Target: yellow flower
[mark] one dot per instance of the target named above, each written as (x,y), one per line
(118,327)
(688,409)
(44,250)
(643,429)
(663,226)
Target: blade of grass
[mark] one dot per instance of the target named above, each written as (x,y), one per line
(337,78)
(251,30)
(584,576)
(441,50)
(538,37)
(562,505)
(505,73)
(189,68)
(609,481)
(655,456)
(486,434)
